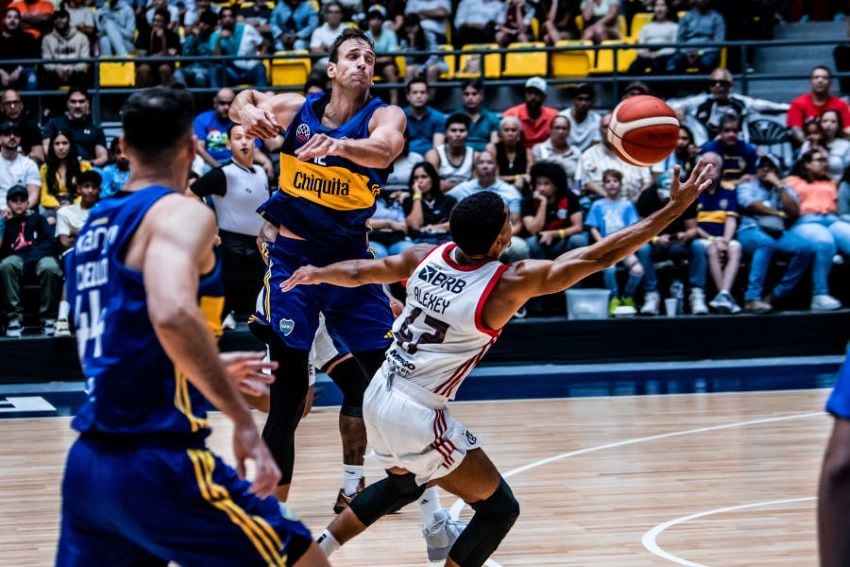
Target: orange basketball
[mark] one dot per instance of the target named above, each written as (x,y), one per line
(643,130)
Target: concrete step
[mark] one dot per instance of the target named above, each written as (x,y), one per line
(812,30)
(778,90)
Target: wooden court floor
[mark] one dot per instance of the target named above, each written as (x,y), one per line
(709,480)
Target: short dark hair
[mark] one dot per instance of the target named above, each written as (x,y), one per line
(730,119)
(230,128)
(617,174)
(476,222)
(77,90)
(155,120)
(821,68)
(458,118)
(209,17)
(476,84)
(346,35)
(230,9)
(414,81)
(90,176)
(165,14)
(60,13)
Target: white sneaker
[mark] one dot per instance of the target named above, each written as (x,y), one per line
(440,536)
(229,322)
(651,300)
(62,328)
(48,327)
(697,301)
(14,328)
(825,302)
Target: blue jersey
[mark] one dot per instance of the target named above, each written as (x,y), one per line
(133,386)
(328,200)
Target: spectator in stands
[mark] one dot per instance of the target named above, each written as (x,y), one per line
(154,5)
(17,44)
(844,196)
(534,117)
(551,215)
(738,157)
(434,16)
(157,41)
(837,146)
(717,220)
(512,156)
(766,205)
(324,36)
(635,88)
(77,122)
(197,43)
(600,157)
(483,123)
(115,174)
(659,30)
(82,19)
(486,179)
(386,42)
(417,38)
(607,216)
(558,150)
(453,160)
(425,124)
(584,121)
(60,175)
(601,20)
(560,22)
(814,138)
(236,190)
(399,177)
(71,217)
(117,24)
(13,111)
(698,26)
(475,21)
(685,156)
(819,223)
(428,209)
(388,236)
(515,23)
(293,23)
(815,102)
(16,169)
(257,14)
(60,44)
(27,247)
(709,108)
(35,15)
(677,242)
(239,39)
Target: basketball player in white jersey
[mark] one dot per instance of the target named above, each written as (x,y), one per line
(459,296)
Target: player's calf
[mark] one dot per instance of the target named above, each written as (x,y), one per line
(492,521)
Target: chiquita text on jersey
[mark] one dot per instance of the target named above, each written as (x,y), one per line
(92,274)
(430,301)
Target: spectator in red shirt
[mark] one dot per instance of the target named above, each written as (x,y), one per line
(816,102)
(534,117)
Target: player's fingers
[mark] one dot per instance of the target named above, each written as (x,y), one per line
(240,467)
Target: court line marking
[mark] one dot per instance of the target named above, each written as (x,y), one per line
(460,504)
(649,538)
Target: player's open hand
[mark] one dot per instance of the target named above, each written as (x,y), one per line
(305,275)
(248,371)
(247,444)
(700,179)
(320,145)
(258,122)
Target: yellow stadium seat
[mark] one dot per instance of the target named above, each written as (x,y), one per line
(573,63)
(117,74)
(290,71)
(605,57)
(492,66)
(528,63)
(401,63)
(638,21)
(450,60)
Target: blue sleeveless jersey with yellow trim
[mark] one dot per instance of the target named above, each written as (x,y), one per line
(329,200)
(133,386)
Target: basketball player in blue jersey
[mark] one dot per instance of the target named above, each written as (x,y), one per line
(336,155)
(140,488)
(459,297)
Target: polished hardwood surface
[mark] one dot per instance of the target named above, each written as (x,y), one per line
(630,464)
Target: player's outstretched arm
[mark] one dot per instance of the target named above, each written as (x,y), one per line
(179,249)
(569,268)
(353,273)
(264,115)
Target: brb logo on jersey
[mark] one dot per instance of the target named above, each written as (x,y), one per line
(302,133)
(435,277)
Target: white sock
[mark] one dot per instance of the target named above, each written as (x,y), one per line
(64,309)
(429,503)
(724,291)
(327,543)
(351,475)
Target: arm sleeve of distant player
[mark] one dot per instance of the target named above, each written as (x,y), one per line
(214,182)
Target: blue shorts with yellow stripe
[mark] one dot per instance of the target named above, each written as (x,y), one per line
(359,318)
(838,403)
(132,503)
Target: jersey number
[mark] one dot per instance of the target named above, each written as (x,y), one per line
(405,337)
(90,325)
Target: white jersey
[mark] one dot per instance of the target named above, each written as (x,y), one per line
(439,338)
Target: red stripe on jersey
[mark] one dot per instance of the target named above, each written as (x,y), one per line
(467,368)
(483,299)
(459,372)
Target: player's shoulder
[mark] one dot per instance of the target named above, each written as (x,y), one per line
(177,212)
(389,113)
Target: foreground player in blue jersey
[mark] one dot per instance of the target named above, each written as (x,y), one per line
(140,487)
(834,489)
(335,158)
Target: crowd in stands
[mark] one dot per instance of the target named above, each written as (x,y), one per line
(553,167)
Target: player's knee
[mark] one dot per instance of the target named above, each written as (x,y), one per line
(388,494)
(352,410)
(501,509)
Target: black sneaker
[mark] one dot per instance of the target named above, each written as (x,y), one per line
(342,501)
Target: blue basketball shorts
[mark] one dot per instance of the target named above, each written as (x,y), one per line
(128,504)
(838,403)
(358,318)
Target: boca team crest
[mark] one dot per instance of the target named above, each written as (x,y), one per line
(302,133)
(286,326)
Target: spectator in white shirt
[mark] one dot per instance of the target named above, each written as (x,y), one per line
(584,121)
(71,218)
(475,22)
(16,169)
(434,15)
(323,38)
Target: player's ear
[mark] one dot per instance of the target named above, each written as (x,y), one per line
(331,70)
